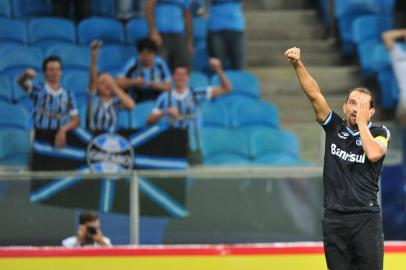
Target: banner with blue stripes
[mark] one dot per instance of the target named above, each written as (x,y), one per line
(155,147)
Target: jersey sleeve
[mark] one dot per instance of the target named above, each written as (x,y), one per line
(160,104)
(382,136)
(126,67)
(203,94)
(332,122)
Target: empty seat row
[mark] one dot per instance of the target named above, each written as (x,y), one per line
(246,146)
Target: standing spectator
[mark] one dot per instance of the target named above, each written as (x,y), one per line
(89,232)
(182,105)
(400,14)
(147,76)
(170,26)
(105,97)
(126,9)
(225,39)
(54,107)
(398,59)
(82,8)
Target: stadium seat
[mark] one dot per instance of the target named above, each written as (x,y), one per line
(12,32)
(268,144)
(136,29)
(14,147)
(16,59)
(31,8)
(78,83)
(6,89)
(366,57)
(215,115)
(346,12)
(389,88)
(219,143)
(74,58)
(13,116)
(5,9)
(112,58)
(380,57)
(104,8)
(45,32)
(243,83)
(259,114)
(199,30)
(200,58)
(110,31)
(198,79)
(234,99)
(140,114)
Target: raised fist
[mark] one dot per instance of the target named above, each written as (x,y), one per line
(215,65)
(30,73)
(293,55)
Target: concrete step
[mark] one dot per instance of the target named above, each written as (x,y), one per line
(332,80)
(275,4)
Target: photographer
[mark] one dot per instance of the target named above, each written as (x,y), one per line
(89,233)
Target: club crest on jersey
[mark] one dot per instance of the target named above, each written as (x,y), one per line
(358,142)
(343,135)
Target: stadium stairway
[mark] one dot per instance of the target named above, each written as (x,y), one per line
(271,28)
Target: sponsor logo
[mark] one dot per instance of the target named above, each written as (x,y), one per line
(343,135)
(110,153)
(358,142)
(347,156)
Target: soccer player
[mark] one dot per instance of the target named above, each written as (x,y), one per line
(182,104)
(54,106)
(354,153)
(105,97)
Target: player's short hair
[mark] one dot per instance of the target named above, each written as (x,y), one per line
(87,216)
(365,91)
(182,65)
(49,59)
(147,44)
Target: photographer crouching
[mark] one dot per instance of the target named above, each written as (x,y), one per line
(89,232)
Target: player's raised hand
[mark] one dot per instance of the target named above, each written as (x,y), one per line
(30,73)
(293,55)
(215,65)
(95,47)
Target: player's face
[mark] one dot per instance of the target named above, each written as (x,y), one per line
(351,106)
(104,87)
(181,77)
(53,72)
(147,58)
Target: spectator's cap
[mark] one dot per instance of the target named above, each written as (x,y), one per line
(147,44)
(87,216)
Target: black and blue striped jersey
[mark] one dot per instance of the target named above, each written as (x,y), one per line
(103,116)
(52,108)
(351,181)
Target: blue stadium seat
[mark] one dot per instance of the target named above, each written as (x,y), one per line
(104,8)
(13,31)
(83,115)
(215,115)
(346,12)
(136,29)
(45,32)
(15,60)
(73,57)
(365,28)
(366,57)
(77,82)
(6,89)
(389,88)
(199,30)
(112,58)
(243,82)
(258,114)
(381,58)
(31,8)
(13,116)
(269,144)
(225,146)
(140,114)
(198,80)
(110,31)
(5,9)
(230,101)
(200,58)
(14,147)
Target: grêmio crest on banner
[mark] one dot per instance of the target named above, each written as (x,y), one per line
(156,147)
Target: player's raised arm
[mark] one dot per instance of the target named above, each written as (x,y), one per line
(309,85)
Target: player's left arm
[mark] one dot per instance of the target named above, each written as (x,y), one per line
(374,147)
